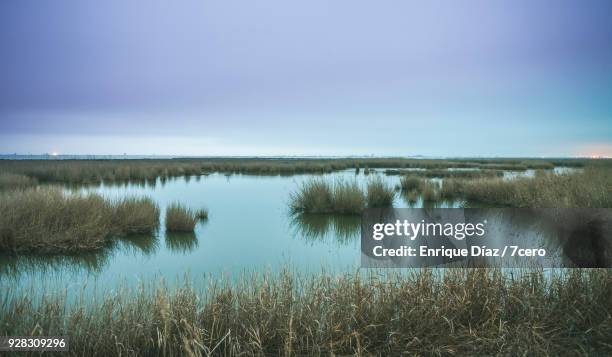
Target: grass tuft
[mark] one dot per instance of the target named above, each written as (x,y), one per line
(379,194)
(136,215)
(180,218)
(201,214)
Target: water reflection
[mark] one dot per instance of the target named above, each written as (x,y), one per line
(317,227)
(181,242)
(92,262)
(13,267)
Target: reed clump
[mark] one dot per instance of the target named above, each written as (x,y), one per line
(314,196)
(9,181)
(320,196)
(460,312)
(49,220)
(347,198)
(180,218)
(590,188)
(134,215)
(379,194)
(411,182)
(201,214)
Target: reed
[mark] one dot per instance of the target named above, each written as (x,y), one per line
(430,191)
(459,312)
(411,182)
(180,218)
(201,214)
(9,181)
(347,198)
(110,171)
(51,221)
(135,215)
(314,196)
(591,188)
(379,194)
(436,173)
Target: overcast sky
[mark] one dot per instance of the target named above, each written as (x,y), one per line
(316,77)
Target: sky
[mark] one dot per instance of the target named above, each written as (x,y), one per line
(317,77)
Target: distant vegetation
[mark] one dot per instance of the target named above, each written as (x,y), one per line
(51,221)
(96,171)
(9,181)
(321,196)
(461,312)
(437,173)
(591,188)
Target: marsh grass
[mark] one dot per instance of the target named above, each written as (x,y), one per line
(590,188)
(49,221)
(379,194)
(313,196)
(135,215)
(411,182)
(347,198)
(201,214)
(460,312)
(9,181)
(321,196)
(180,218)
(437,173)
(430,191)
(148,170)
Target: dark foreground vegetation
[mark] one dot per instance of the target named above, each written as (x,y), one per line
(461,312)
(96,171)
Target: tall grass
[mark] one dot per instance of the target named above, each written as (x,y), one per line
(135,215)
(148,170)
(347,198)
(591,188)
(180,218)
(51,221)
(411,182)
(379,194)
(9,181)
(320,196)
(436,173)
(461,312)
(314,196)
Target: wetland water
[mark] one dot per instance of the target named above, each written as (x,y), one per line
(249,229)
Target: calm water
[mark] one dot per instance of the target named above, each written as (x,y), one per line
(249,229)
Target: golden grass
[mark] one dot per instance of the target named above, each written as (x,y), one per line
(180,218)
(461,312)
(48,220)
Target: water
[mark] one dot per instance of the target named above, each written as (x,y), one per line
(249,229)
